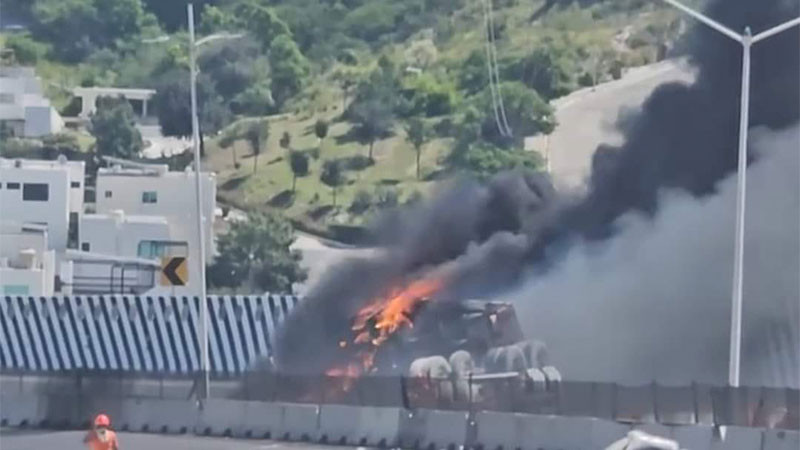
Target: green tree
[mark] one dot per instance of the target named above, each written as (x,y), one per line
(417,133)
(261,22)
(548,69)
(75,28)
(332,176)
(172,104)
(527,113)
(172,13)
(256,134)
(374,119)
(321,129)
(286,140)
(114,129)
(298,162)
(257,253)
(290,68)
(484,159)
(26,50)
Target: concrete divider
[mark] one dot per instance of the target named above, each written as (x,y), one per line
(20,409)
(157,415)
(220,417)
(606,432)
(781,440)
(354,425)
(298,423)
(500,431)
(430,429)
(736,438)
(694,437)
(262,420)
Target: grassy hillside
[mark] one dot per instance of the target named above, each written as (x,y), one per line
(304,60)
(628,35)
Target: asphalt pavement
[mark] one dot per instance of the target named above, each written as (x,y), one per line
(587,118)
(72,440)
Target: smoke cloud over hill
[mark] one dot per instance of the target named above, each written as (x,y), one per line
(650,197)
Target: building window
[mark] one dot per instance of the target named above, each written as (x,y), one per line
(36,192)
(108,194)
(12,186)
(15,289)
(160,249)
(72,232)
(149,197)
(85,247)
(75,185)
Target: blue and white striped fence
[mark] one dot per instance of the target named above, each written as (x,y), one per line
(136,334)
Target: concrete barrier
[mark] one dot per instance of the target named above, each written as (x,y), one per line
(430,429)
(157,415)
(694,437)
(19,409)
(606,432)
(262,420)
(498,431)
(353,425)
(220,417)
(298,423)
(781,440)
(736,438)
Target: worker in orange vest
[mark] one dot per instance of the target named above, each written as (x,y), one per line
(101,437)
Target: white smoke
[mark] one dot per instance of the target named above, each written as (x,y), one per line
(653,303)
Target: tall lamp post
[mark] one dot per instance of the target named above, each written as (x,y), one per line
(193,46)
(747,40)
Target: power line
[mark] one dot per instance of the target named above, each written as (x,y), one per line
(492,89)
(493,45)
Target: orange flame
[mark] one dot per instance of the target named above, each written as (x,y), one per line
(377,322)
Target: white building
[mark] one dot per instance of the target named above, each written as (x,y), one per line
(48,193)
(152,190)
(23,107)
(27,265)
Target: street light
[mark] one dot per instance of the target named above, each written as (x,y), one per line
(747,40)
(193,46)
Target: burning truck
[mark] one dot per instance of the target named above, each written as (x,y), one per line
(444,346)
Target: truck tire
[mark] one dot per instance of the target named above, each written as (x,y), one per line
(506,359)
(535,353)
(535,380)
(553,377)
(463,365)
(438,372)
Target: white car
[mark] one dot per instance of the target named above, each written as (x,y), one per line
(639,440)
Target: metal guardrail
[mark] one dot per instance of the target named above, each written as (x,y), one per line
(137,334)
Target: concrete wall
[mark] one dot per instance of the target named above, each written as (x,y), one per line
(55,211)
(42,403)
(175,201)
(120,235)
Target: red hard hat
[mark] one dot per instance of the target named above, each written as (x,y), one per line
(102,420)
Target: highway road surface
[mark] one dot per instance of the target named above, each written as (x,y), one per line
(586,118)
(72,440)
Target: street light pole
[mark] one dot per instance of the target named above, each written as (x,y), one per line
(201,262)
(746,40)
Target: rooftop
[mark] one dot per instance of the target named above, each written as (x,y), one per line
(61,163)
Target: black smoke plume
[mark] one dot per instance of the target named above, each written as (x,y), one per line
(485,239)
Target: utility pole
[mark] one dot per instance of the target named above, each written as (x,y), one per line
(201,261)
(747,40)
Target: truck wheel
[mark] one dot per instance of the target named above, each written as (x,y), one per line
(462,364)
(553,377)
(535,353)
(506,359)
(438,372)
(535,380)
